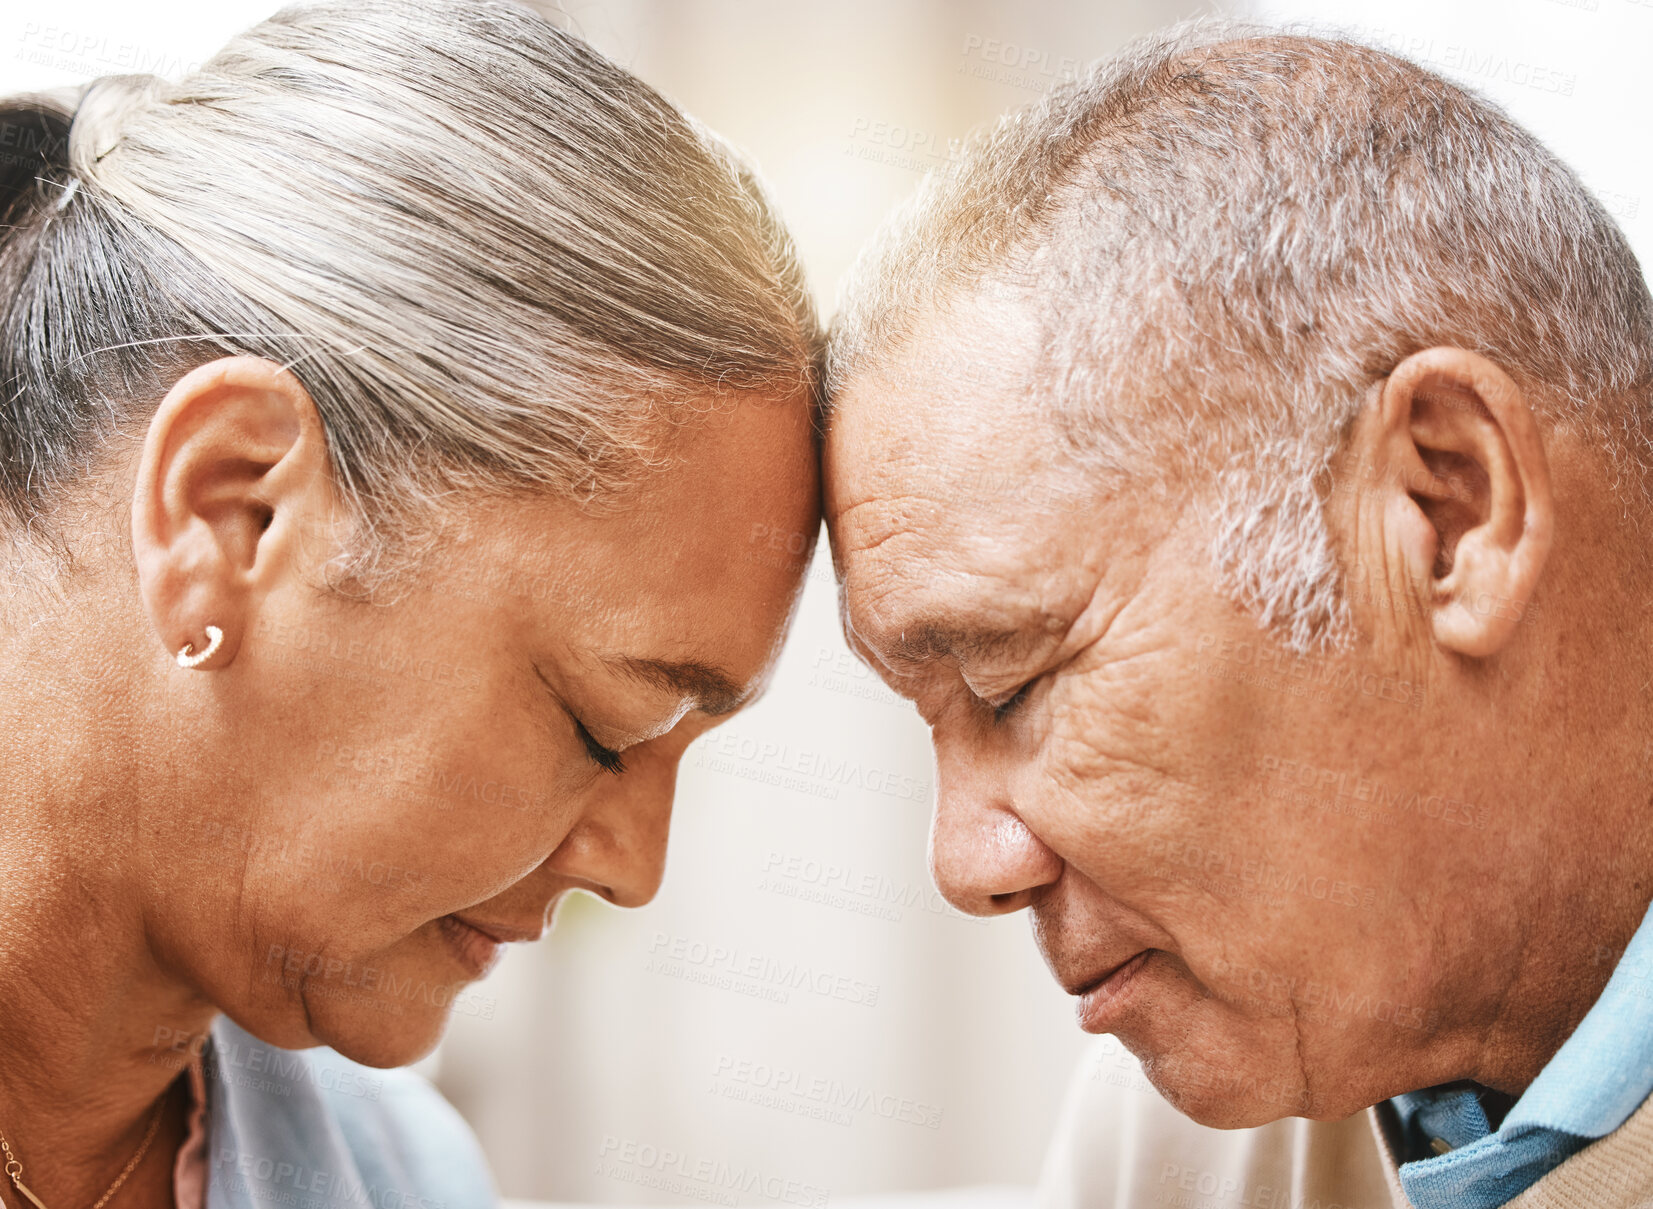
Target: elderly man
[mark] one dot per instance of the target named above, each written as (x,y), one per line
(1242,459)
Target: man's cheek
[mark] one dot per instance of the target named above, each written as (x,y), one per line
(1114,767)
(1103,827)
(1143,823)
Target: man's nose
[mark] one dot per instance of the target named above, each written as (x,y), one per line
(618,848)
(985,859)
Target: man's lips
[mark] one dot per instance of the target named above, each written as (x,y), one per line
(1104,1001)
(1083,986)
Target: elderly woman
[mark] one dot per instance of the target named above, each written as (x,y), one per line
(388,409)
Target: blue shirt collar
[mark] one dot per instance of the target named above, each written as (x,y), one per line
(1595,1081)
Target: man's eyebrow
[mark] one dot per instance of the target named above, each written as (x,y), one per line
(714,690)
(925,640)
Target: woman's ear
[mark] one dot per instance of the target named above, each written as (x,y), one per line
(232,475)
(1473,516)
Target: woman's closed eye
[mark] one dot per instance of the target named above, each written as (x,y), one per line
(605,758)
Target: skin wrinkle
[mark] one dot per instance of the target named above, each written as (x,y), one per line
(871,545)
(1309,1099)
(333,737)
(1068,772)
(1135,765)
(973,644)
(1505,1005)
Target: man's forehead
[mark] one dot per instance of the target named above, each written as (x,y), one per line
(915,517)
(947,501)
(943,476)
(901,447)
(926,575)
(936,405)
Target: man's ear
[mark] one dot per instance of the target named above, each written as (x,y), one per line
(232,477)
(1475,516)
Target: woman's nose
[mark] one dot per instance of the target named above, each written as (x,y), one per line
(618,846)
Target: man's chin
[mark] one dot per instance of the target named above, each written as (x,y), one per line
(1216,1066)
(1227,1096)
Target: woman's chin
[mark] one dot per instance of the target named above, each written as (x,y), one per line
(400,1045)
(380,1039)
(387,1009)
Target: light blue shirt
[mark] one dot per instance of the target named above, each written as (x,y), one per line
(313,1130)
(1597,1079)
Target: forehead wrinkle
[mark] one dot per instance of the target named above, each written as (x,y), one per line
(892,514)
(905,615)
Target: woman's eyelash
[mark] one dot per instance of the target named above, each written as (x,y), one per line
(604,757)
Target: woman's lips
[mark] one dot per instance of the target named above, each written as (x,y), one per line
(473,948)
(1102,1005)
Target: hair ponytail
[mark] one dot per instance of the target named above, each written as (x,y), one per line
(495,259)
(100,121)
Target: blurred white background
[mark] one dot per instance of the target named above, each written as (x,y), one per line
(800,831)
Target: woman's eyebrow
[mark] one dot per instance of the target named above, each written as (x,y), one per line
(714,690)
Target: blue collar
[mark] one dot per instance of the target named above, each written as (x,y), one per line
(1596,1080)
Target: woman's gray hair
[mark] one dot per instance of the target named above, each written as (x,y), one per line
(496,260)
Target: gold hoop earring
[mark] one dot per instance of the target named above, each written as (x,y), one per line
(215,639)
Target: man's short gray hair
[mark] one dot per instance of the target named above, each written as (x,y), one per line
(1228,235)
(495,259)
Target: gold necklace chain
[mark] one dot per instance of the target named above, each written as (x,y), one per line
(15,1169)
